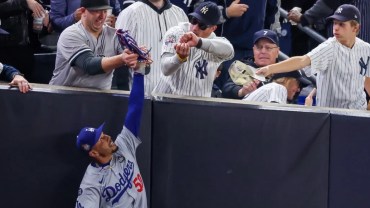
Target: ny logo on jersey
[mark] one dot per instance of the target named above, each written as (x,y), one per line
(201,67)
(363,65)
(204,10)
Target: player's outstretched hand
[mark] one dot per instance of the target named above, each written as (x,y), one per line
(190,38)
(129,58)
(20,82)
(309,99)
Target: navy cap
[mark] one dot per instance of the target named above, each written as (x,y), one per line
(208,13)
(3,32)
(294,74)
(95,4)
(88,137)
(345,13)
(269,34)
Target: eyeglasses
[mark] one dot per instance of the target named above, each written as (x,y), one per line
(268,48)
(195,21)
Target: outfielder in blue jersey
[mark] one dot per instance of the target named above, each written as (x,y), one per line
(113,178)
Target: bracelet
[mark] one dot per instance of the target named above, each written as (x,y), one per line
(199,44)
(181,59)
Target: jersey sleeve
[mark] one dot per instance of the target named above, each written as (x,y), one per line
(321,57)
(278,94)
(71,44)
(171,37)
(127,142)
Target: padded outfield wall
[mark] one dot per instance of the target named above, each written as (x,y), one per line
(195,152)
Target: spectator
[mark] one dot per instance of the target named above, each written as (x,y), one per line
(191,53)
(241,19)
(88,51)
(65,13)
(15,16)
(265,52)
(282,89)
(341,63)
(147,22)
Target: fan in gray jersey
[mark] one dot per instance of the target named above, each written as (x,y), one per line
(113,178)
(147,21)
(191,54)
(341,63)
(88,52)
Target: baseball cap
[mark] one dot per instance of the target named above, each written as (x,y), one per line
(95,4)
(88,137)
(269,34)
(208,13)
(345,13)
(3,32)
(294,74)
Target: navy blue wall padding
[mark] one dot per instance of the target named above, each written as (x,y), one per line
(209,155)
(349,182)
(41,166)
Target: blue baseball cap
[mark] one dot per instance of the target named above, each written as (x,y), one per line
(207,12)
(345,13)
(294,74)
(269,34)
(88,137)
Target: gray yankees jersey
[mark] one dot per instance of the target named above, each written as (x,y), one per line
(341,73)
(195,76)
(148,26)
(72,42)
(271,92)
(118,184)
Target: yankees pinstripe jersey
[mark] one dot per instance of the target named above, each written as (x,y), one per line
(147,25)
(341,73)
(76,40)
(195,76)
(118,184)
(271,93)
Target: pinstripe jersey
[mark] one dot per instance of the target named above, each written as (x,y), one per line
(341,73)
(147,25)
(75,40)
(364,8)
(118,184)
(195,76)
(271,92)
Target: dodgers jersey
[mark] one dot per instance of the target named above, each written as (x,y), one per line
(271,92)
(118,184)
(72,42)
(147,25)
(195,76)
(341,73)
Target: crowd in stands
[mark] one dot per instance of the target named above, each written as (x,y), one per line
(192,44)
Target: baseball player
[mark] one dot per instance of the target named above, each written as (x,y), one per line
(191,54)
(113,178)
(88,52)
(11,74)
(147,22)
(283,88)
(341,63)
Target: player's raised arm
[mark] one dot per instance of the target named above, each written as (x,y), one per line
(291,64)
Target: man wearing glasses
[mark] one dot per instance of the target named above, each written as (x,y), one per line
(265,52)
(191,54)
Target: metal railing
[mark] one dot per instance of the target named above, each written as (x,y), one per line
(309,31)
